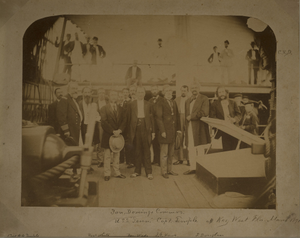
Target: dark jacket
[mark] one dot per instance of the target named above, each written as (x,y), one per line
(93,51)
(211,58)
(68,117)
(216,111)
(154,102)
(250,121)
(200,129)
(111,122)
(167,121)
(52,119)
(249,58)
(132,120)
(138,75)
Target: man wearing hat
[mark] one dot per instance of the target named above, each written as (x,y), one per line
(225,109)
(249,121)
(238,101)
(113,122)
(168,123)
(140,132)
(196,132)
(253,58)
(226,62)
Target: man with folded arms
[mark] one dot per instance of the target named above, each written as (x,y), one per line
(113,122)
(168,123)
(140,132)
(197,132)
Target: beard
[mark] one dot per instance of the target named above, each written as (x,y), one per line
(223,97)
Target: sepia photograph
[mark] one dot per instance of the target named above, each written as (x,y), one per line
(111,102)
(143,122)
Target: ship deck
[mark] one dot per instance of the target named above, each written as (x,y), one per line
(182,191)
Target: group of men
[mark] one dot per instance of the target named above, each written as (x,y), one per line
(225,60)
(158,122)
(77,53)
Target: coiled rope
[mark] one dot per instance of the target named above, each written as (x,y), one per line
(57,170)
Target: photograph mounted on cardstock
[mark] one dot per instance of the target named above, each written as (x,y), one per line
(149,111)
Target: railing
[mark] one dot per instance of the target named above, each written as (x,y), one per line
(36,98)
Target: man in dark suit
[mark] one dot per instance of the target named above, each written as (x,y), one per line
(125,100)
(64,53)
(155,144)
(129,147)
(168,123)
(180,101)
(249,120)
(225,109)
(52,119)
(214,57)
(253,58)
(196,132)
(97,51)
(133,75)
(70,116)
(74,51)
(113,122)
(238,100)
(140,132)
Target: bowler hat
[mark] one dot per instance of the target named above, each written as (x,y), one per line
(116,143)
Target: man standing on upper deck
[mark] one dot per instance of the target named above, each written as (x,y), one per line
(225,109)
(98,54)
(226,62)
(196,131)
(253,58)
(140,132)
(64,53)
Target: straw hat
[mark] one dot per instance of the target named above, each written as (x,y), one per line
(116,143)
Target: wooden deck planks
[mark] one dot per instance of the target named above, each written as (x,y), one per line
(182,191)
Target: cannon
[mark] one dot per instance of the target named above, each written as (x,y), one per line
(45,157)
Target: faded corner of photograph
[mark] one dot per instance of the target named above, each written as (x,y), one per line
(161,111)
